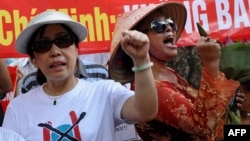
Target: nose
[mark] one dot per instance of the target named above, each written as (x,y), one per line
(168,28)
(55,50)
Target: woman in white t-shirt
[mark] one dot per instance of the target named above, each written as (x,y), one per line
(65,107)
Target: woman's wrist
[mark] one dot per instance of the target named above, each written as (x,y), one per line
(142,67)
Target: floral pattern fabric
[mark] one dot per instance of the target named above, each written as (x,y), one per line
(188,114)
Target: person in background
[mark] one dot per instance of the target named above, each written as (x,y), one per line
(185,113)
(24,67)
(245,110)
(65,107)
(99,58)
(6,84)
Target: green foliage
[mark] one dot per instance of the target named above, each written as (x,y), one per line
(233,117)
(234,61)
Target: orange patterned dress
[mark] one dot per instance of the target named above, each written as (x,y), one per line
(188,114)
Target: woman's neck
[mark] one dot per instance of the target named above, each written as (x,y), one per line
(157,62)
(162,72)
(56,88)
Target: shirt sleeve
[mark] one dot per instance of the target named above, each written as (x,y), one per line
(119,96)
(201,114)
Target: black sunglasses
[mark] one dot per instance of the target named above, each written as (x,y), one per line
(159,26)
(62,41)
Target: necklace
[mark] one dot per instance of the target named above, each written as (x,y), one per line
(54,98)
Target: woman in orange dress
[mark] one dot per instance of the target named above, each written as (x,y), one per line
(185,113)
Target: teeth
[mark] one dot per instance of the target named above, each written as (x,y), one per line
(54,65)
(168,43)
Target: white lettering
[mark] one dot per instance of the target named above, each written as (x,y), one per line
(121,127)
(240,14)
(237,131)
(223,15)
(188,25)
(202,18)
(231,132)
(243,131)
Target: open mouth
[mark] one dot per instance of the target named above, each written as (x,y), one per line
(56,65)
(169,40)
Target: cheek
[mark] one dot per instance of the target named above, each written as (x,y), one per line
(155,46)
(38,60)
(155,39)
(72,52)
(40,64)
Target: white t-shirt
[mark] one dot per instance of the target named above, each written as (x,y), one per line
(89,112)
(9,135)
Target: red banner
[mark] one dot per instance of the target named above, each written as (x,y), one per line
(10,95)
(221,18)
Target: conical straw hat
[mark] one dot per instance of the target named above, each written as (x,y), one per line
(120,64)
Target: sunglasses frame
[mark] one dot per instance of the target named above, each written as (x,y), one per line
(38,48)
(168,22)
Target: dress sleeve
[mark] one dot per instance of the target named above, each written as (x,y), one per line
(204,112)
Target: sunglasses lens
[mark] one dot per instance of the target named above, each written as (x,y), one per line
(172,24)
(62,41)
(159,26)
(42,46)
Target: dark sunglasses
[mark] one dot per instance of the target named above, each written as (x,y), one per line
(159,26)
(62,41)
